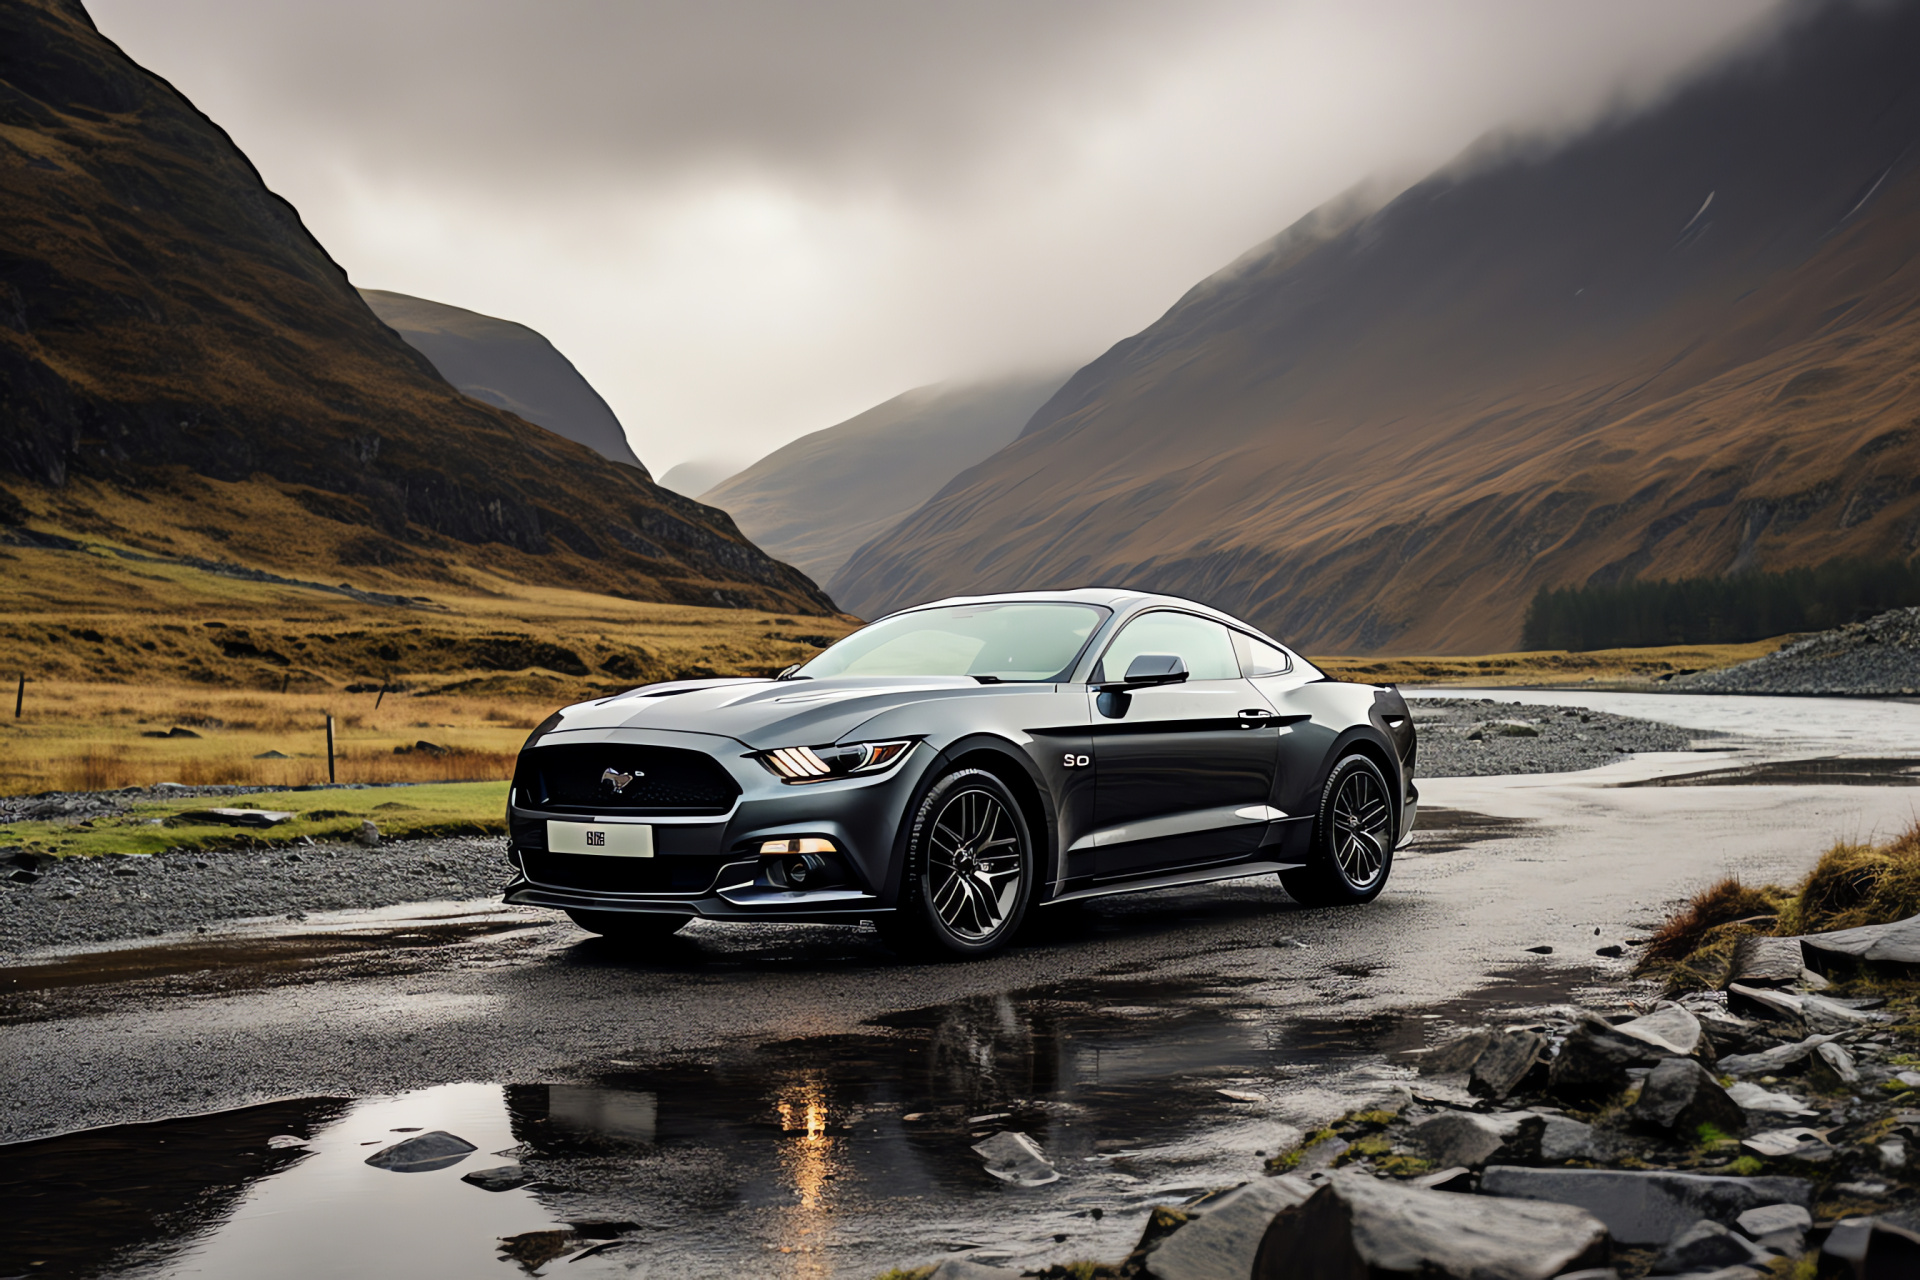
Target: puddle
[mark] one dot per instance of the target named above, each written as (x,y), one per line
(1827,771)
(841,1155)
(242,961)
(1437,829)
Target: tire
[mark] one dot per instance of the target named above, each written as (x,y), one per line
(633,928)
(969,873)
(1353,837)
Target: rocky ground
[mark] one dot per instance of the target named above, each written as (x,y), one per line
(87,806)
(68,902)
(1769,1128)
(1477,737)
(1876,658)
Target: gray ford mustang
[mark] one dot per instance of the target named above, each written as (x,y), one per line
(949,768)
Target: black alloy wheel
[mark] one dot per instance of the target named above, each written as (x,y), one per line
(969,874)
(1353,837)
(630,928)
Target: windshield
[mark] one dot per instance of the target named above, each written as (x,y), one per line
(997,641)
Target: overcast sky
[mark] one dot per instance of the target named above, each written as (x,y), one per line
(748,220)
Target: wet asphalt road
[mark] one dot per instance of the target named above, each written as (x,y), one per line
(1226,986)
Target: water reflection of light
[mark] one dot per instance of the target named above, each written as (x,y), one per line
(811,1158)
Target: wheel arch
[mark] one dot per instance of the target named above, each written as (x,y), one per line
(1008,763)
(1367,742)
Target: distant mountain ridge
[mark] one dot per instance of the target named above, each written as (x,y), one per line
(507,365)
(817,500)
(185,370)
(1678,344)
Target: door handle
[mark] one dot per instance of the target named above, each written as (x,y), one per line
(1256,714)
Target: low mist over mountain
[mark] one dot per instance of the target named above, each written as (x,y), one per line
(507,365)
(1679,344)
(696,477)
(185,371)
(817,500)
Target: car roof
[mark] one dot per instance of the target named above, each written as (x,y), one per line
(1118,599)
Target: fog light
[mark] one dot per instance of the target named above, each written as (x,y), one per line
(798,844)
(801,868)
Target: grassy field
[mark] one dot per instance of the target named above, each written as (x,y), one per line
(460,808)
(140,672)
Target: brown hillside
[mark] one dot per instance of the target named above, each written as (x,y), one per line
(1684,343)
(183,369)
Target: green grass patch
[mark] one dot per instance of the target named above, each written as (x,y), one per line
(170,826)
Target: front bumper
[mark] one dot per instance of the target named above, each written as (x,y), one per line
(708,866)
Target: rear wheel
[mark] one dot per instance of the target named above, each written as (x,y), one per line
(629,926)
(969,871)
(1352,839)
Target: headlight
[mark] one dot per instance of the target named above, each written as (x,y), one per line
(817,764)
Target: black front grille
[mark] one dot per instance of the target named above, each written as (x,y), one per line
(591,874)
(583,779)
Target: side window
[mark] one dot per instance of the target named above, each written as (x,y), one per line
(1206,647)
(1258,658)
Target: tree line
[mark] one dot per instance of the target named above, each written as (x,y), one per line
(1717,610)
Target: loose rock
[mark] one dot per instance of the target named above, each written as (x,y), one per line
(1646,1207)
(1357,1226)
(1789,1144)
(1016,1158)
(1776,1061)
(1707,1246)
(1220,1242)
(423,1154)
(1771,1218)
(500,1178)
(1680,1095)
(1897,943)
(1463,1138)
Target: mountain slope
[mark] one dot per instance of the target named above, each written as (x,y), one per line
(507,365)
(183,369)
(695,477)
(1679,344)
(815,501)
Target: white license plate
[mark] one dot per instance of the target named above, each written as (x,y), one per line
(615,839)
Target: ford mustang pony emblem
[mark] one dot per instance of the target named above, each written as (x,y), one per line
(618,780)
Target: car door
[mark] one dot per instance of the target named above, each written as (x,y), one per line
(1183,771)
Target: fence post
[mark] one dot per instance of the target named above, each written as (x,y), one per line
(330,777)
(20,695)
(383,694)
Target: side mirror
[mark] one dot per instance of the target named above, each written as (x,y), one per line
(1150,669)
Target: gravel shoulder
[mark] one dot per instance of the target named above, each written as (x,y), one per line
(75,901)
(1481,737)
(48,903)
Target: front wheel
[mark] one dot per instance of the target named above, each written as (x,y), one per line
(969,871)
(630,927)
(1352,839)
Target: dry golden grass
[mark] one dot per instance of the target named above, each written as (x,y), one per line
(1633,668)
(1851,885)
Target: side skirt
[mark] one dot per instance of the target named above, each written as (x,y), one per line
(1202,875)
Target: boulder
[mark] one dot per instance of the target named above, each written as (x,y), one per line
(1220,1241)
(1761,961)
(1775,1061)
(1016,1158)
(1670,1029)
(1788,1144)
(1506,1063)
(1770,1219)
(1679,1095)
(503,1177)
(1457,1178)
(1358,1226)
(1730,1033)
(1897,943)
(1455,1057)
(1647,1207)
(1832,1017)
(1463,1138)
(1708,1246)
(423,1153)
(369,834)
(1565,1139)
(1596,1058)
(1870,1249)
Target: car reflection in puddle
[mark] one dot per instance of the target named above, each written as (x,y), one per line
(814,1157)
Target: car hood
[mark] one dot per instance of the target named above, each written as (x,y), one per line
(764,713)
